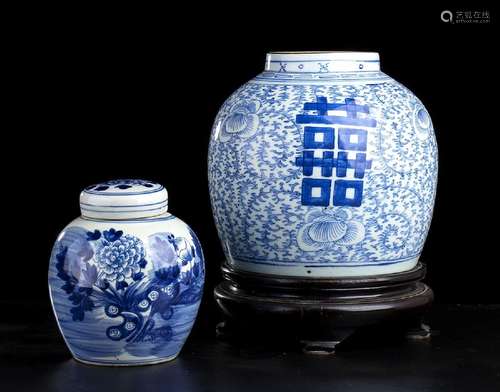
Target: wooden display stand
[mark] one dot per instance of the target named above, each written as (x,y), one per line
(319,313)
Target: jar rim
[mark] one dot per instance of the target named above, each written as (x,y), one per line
(322,61)
(306,52)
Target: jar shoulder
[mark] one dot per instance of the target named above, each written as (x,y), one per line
(261,107)
(258,95)
(142,228)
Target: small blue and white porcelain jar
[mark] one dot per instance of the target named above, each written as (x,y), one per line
(323,166)
(126,277)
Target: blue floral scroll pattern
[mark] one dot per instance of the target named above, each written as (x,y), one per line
(143,295)
(255,188)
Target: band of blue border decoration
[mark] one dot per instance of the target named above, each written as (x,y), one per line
(125,206)
(304,81)
(124,211)
(305,77)
(125,193)
(130,220)
(324,65)
(323,61)
(276,263)
(337,75)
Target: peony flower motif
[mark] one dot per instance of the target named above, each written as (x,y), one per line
(327,228)
(242,120)
(120,258)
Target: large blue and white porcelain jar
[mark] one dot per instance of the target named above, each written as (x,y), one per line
(126,277)
(323,166)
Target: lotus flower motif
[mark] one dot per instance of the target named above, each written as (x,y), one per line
(242,120)
(422,122)
(329,228)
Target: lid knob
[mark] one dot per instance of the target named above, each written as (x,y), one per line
(124,199)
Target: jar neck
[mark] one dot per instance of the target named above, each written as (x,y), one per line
(322,62)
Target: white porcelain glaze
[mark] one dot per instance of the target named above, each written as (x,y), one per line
(323,166)
(126,281)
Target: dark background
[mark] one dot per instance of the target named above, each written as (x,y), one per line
(97,96)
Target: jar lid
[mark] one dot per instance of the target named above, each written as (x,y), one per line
(124,199)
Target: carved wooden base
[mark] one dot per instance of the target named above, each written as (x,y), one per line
(319,313)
